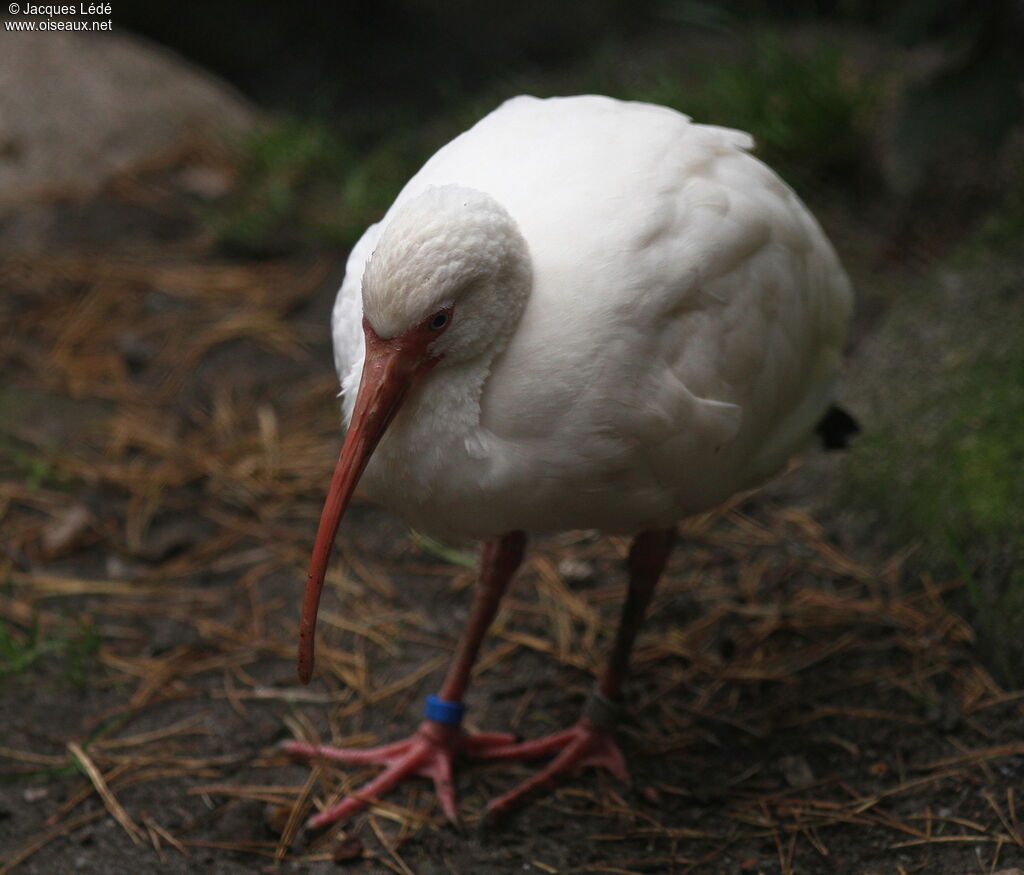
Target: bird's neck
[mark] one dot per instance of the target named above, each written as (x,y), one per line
(447,404)
(434,441)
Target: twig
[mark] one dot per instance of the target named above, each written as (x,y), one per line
(113,806)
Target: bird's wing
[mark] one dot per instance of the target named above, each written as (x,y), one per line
(766,337)
(347,319)
(693,298)
(680,282)
(744,347)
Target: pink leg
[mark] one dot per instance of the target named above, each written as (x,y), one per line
(589,742)
(430,750)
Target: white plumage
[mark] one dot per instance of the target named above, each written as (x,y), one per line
(646,320)
(580,313)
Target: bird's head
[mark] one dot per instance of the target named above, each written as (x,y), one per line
(445,286)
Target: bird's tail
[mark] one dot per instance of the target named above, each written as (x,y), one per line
(836,428)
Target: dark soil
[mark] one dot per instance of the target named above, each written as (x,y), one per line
(169,424)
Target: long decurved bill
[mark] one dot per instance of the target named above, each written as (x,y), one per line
(390,368)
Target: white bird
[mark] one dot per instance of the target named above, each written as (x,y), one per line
(579,314)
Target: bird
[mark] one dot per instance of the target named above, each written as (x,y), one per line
(581,313)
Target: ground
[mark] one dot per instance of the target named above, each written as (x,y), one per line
(800,702)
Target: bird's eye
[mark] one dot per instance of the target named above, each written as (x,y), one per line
(439,320)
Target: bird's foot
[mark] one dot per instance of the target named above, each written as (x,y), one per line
(582,745)
(428,752)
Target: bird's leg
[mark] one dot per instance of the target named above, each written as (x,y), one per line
(589,742)
(430,750)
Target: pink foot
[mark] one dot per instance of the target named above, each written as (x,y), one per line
(428,752)
(579,746)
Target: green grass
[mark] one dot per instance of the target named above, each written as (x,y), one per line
(442,551)
(807,109)
(956,450)
(74,645)
(287,172)
(1003,228)
(303,186)
(35,470)
(942,462)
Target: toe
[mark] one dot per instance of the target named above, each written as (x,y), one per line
(370,792)
(581,745)
(440,770)
(384,754)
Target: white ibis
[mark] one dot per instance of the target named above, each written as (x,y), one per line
(580,314)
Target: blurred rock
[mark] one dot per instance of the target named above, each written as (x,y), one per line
(75,109)
(796,770)
(82,117)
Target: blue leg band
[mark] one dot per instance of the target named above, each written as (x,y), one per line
(440,711)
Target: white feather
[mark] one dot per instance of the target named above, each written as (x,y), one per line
(679,339)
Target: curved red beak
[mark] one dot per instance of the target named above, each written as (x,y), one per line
(390,369)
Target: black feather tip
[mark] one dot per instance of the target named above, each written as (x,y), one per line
(836,428)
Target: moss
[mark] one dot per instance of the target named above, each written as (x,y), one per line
(1003,228)
(942,458)
(951,439)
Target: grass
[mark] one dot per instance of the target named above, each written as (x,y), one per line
(433,547)
(1003,228)
(35,469)
(943,463)
(807,109)
(285,173)
(301,185)
(955,451)
(22,649)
